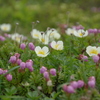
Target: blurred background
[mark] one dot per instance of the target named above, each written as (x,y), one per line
(51,13)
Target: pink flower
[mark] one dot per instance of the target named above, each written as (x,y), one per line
(9,77)
(1,71)
(53,72)
(23,46)
(80,83)
(46,75)
(74,84)
(12,59)
(43,69)
(22,65)
(18,61)
(91,84)
(31,46)
(95,58)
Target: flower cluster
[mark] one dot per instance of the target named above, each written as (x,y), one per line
(71,88)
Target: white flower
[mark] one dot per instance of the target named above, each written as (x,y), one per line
(81,33)
(17,37)
(57,45)
(53,34)
(5,27)
(42,52)
(70,31)
(44,38)
(35,34)
(49,83)
(92,50)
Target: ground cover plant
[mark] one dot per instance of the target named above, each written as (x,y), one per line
(50,66)
(46,54)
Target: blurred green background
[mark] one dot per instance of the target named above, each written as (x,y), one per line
(50,13)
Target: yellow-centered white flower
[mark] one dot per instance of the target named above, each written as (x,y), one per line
(53,34)
(42,52)
(92,50)
(70,31)
(5,27)
(44,38)
(35,33)
(17,37)
(80,33)
(57,45)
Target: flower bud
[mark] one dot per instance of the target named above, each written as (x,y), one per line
(85,58)
(95,58)
(9,77)
(5,71)
(65,88)
(2,38)
(1,71)
(17,55)
(92,78)
(23,46)
(49,83)
(91,84)
(53,72)
(70,89)
(46,75)
(28,65)
(22,65)
(12,59)
(43,69)
(31,69)
(30,61)
(74,84)
(18,61)
(31,46)
(80,83)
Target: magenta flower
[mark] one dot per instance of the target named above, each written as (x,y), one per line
(9,77)
(31,69)
(12,59)
(28,65)
(80,83)
(2,38)
(70,89)
(91,84)
(74,84)
(43,69)
(18,61)
(17,55)
(46,75)
(31,46)
(23,46)
(95,58)
(53,72)
(1,71)
(22,65)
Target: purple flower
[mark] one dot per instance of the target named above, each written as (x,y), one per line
(31,46)
(18,61)
(80,83)
(31,69)
(70,89)
(84,58)
(12,59)
(74,84)
(2,38)
(5,71)
(53,72)
(23,46)
(17,55)
(43,69)
(91,83)
(95,58)
(65,88)
(30,61)
(46,75)
(1,71)
(22,65)
(28,65)
(9,77)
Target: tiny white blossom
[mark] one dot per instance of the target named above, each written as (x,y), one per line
(57,45)
(49,83)
(92,50)
(5,27)
(17,37)
(42,52)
